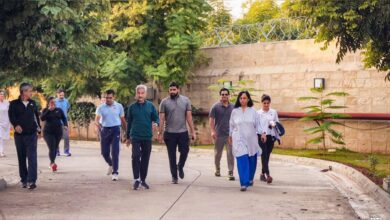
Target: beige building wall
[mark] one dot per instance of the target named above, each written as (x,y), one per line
(286,70)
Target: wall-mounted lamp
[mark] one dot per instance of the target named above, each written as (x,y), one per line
(319,83)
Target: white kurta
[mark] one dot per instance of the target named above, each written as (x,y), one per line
(243,130)
(266,117)
(4,120)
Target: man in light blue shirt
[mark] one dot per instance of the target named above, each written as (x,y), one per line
(64,105)
(109,118)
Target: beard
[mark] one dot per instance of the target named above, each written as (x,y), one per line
(173,95)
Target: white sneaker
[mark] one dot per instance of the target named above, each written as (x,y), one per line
(115,177)
(109,171)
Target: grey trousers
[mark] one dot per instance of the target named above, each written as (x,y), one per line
(220,143)
(65,136)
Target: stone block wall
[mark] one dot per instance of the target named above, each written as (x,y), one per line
(286,71)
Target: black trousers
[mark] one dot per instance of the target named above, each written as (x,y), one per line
(267,148)
(174,140)
(26,148)
(140,158)
(53,142)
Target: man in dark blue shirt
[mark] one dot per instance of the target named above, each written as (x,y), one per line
(24,117)
(142,117)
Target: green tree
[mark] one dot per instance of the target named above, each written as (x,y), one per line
(220,16)
(355,25)
(44,38)
(260,11)
(320,113)
(161,37)
(121,74)
(81,114)
(80,46)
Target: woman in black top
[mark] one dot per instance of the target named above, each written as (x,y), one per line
(52,132)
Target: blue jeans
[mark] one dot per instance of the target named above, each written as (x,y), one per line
(110,137)
(246,166)
(26,148)
(65,136)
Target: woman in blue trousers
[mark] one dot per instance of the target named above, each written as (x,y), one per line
(244,125)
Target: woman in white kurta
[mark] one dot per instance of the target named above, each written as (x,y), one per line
(268,119)
(4,122)
(244,125)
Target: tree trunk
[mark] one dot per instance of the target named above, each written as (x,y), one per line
(87,127)
(157,98)
(79,132)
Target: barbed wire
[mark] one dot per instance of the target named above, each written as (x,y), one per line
(272,30)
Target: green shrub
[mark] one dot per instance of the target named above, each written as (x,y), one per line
(81,114)
(318,112)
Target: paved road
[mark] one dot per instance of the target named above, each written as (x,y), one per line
(81,190)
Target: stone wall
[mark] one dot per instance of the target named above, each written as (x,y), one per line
(286,70)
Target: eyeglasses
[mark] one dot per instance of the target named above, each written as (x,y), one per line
(224,94)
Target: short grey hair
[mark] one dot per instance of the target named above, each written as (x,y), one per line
(141,87)
(24,87)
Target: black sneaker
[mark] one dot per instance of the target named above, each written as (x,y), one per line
(24,185)
(269,179)
(145,185)
(251,183)
(231,176)
(181,172)
(136,185)
(263,178)
(217,173)
(174,180)
(32,186)
(243,188)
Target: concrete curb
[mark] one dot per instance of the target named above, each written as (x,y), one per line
(8,180)
(368,187)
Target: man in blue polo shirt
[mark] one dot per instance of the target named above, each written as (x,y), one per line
(63,104)
(112,117)
(142,117)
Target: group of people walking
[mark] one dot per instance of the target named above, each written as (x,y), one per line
(141,120)
(246,133)
(23,114)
